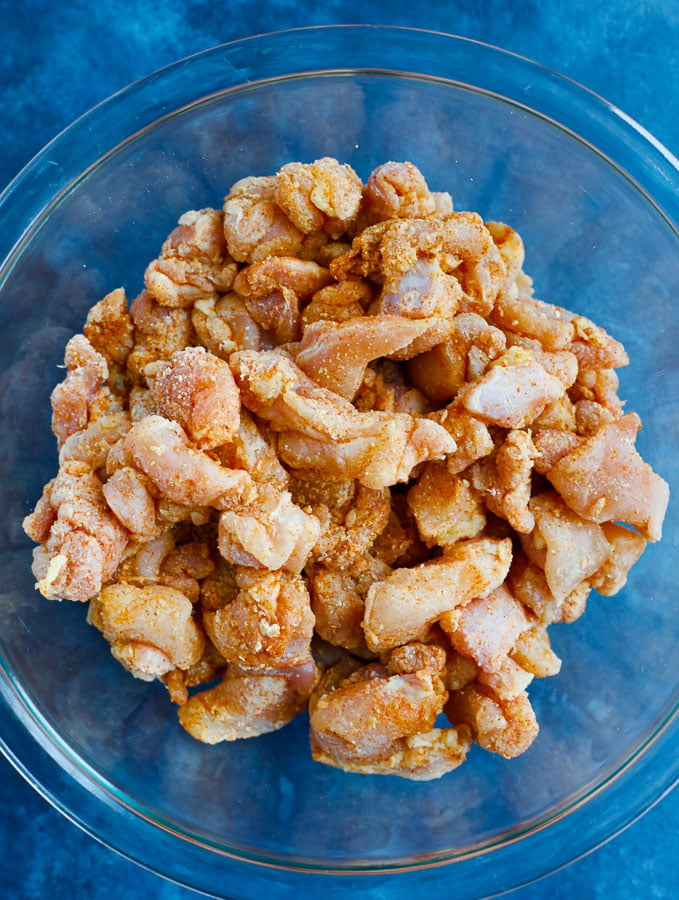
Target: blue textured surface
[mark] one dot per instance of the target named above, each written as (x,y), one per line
(57,60)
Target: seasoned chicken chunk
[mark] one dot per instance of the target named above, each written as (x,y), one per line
(72,398)
(242,705)
(398,608)
(445,506)
(193,263)
(155,617)
(398,190)
(85,542)
(605,478)
(197,390)
(320,196)
(254,225)
(504,726)
(267,626)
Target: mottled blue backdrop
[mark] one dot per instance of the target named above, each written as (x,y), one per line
(59,59)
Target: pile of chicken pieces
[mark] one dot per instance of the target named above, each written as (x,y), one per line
(336,456)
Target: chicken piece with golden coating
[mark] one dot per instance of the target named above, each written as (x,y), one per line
(487,628)
(397,190)
(82,543)
(270,532)
(504,726)
(159,332)
(72,399)
(550,325)
(161,450)
(197,390)
(254,225)
(336,355)
(194,263)
(324,195)
(504,480)
(268,626)
(276,289)
(338,601)
(242,705)
(408,600)
(567,547)
(605,478)
(151,629)
(446,507)
(325,432)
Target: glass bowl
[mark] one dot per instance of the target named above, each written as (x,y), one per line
(595,199)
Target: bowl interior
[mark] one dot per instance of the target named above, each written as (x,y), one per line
(595,243)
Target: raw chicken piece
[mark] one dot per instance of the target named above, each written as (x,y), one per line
(350,515)
(109,328)
(529,585)
(161,450)
(72,398)
(225,325)
(128,497)
(385,387)
(155,617)
(511,249)
(504,480)
(424,756)
(357,715)
(397,190)
(513,391)
(567,547)
(92,445)
(388,250)
(242,705)
(85,544)
(271,533)
(473,344)
(275,289)
(504,726)
(445,506)
(338,601)
(550,325)
(197,390)
(254,225)
(551,445)
(251,451)
(415,657)
(325,432)
(398,608)
(471,436)
(382,458)
(338,302)
(626,548)
(320,196)
(159,332)
(193,263)
(594,347)
(423,293)
(507,679)
(487,628)
(335,355)
(605,478)
(268,626)
(533,652)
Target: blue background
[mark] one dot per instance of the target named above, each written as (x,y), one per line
(59,59)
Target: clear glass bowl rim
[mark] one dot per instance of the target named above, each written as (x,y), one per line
(652,769)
